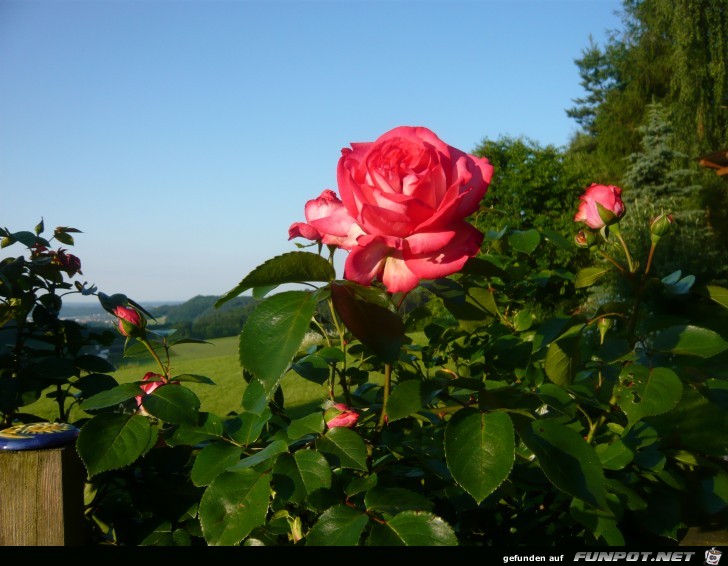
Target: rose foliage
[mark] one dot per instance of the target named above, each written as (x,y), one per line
(462,417)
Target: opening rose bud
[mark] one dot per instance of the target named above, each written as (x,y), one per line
(341,415)
(131,322)
(601,205)
(585,238)
(154,382)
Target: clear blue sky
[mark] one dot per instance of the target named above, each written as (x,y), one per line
(184,137)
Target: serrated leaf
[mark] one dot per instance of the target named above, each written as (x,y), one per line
(716,293)
(310,424)
(641,392)
(173,404)
(601,523)
(614,456)
(111,441)
(413,528)
(588,276)
(375,326)
(213,460)
(562,360)
(298,475)
(337,526)
(193,378)
(393,500)
(479,450)
(273,333)
(292,267)
(689,340)
(524,241)
(208,427)
(246,427)
(313,367)
(233,505)
(112,397)
(95,364)
(272,450)
(568,461)
(406,398)
(64,238)
(346,445)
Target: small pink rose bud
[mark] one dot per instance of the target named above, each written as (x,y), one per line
(601,205)
(585,239)
(131,322)
(340,415)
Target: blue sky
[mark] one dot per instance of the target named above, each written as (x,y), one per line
(184,137)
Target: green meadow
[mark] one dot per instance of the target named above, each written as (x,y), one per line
(217,360)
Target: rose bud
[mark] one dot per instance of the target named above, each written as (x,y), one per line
(131,322)
(340,415)
(585,238)
(660,226)
(601,205)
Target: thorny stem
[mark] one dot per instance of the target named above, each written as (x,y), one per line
(625,248)
(613,261)
(148,346)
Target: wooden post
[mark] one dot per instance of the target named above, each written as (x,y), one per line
(41,497)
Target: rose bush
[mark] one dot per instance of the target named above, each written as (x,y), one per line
(404,201)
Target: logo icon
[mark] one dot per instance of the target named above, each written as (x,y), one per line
(712,556)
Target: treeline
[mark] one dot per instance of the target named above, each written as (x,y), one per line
(655,102)
(198,318)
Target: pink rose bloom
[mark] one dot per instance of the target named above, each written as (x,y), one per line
(343,416)
(130,320)
(407,194)
(610,199)
(68,262)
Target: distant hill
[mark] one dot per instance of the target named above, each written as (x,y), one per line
(195,318)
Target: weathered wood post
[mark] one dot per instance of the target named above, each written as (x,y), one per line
(41,486)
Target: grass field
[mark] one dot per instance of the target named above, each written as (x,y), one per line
(217,360)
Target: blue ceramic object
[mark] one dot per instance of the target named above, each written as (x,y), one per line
(36,436)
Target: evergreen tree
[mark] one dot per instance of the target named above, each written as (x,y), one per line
(656,172)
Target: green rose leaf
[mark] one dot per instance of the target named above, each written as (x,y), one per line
(111,441)
(588,276)
(213,460)
(313,367)
(641,392)
(567,460)
(173,404)
(233,505)
(562,360)
(193,378)
(716,293)
(393,500)
(602,524)
(273,333)
(690,340)
(310,424)
(246,427)
(298,475)
(375,326)
(292,267)
(272,450)
(614,456)
(405,399)
(413,528)
(524,241)
(112,397)
(695,425)
(208,427)
(346,445)
(338,526)
(479,450)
